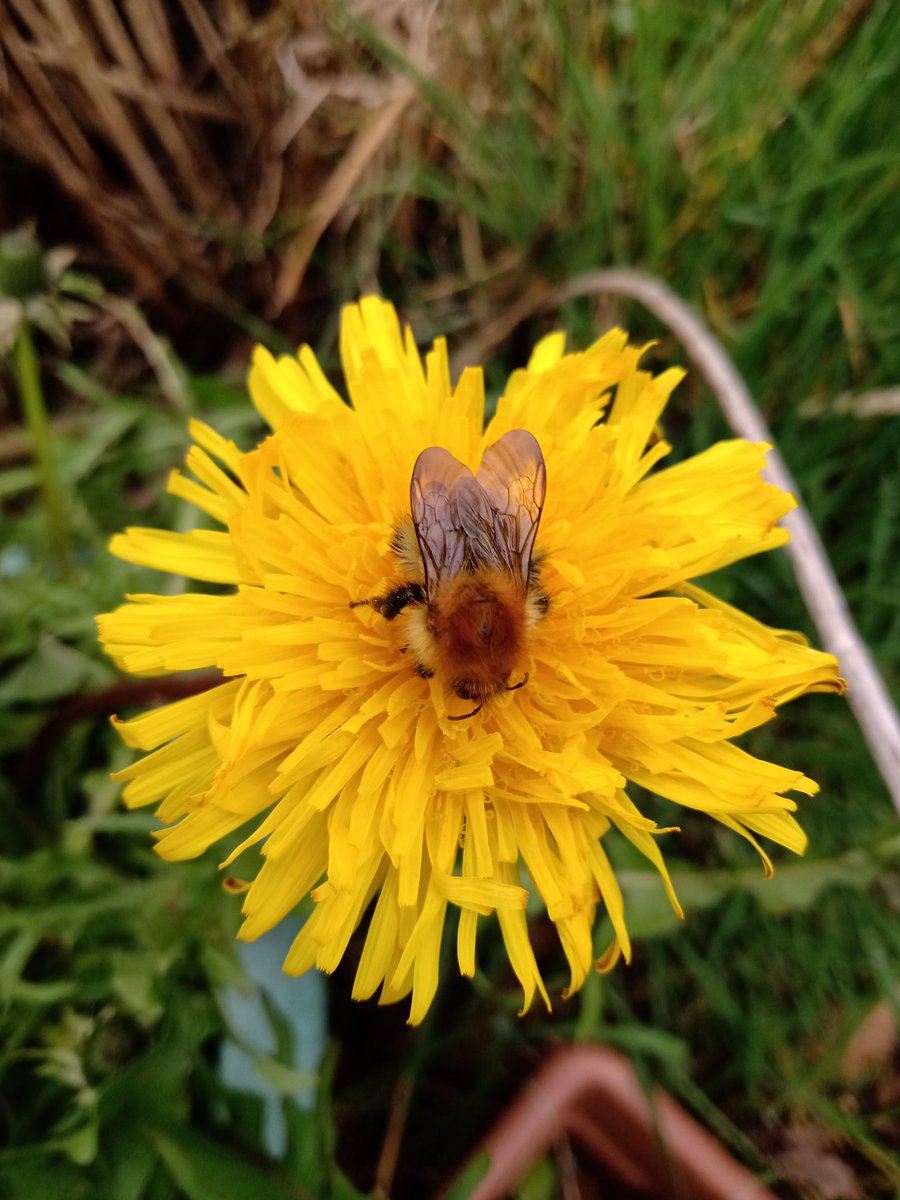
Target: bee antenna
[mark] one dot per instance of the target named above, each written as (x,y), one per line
(465,716)
(515,687)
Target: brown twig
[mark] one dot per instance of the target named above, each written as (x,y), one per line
(390,1151)
(130,693)
(333,195)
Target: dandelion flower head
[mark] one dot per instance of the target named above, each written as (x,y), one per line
(347,769)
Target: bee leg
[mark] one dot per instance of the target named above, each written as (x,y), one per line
(515,687)
(465,716)
(393,604)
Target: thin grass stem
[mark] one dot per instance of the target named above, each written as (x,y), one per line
(29,380)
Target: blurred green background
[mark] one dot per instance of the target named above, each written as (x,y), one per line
(236,172)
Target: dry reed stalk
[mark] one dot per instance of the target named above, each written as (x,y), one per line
(182,129)
(334,195)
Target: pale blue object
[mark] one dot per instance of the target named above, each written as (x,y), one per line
(14,560)
(302,1004)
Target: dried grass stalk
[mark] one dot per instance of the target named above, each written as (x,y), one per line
(184,129)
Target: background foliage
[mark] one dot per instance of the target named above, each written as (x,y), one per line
(464,160)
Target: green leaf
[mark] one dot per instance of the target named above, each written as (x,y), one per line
(52,671)
(795,886)
(129,1164)
(539,1183)
(37,1172)
(642,1040)
(308,1154)
(83,455)
(81,1143)
(15,480)
(343,1189)
(472,1174)
(207,1170)
(282,1078)
(151,1090)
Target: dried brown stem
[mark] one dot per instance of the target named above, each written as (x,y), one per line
(129,693)
(335,192)
(390,1151)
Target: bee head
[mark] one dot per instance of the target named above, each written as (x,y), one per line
(468,689)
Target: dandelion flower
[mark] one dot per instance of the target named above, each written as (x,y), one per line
(327,746)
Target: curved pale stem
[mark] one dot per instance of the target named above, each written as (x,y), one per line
(872,705)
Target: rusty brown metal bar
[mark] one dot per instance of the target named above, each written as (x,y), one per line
(592,1094)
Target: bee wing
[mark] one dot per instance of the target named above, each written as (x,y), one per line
(490,518)
(433,496)
(513,479)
